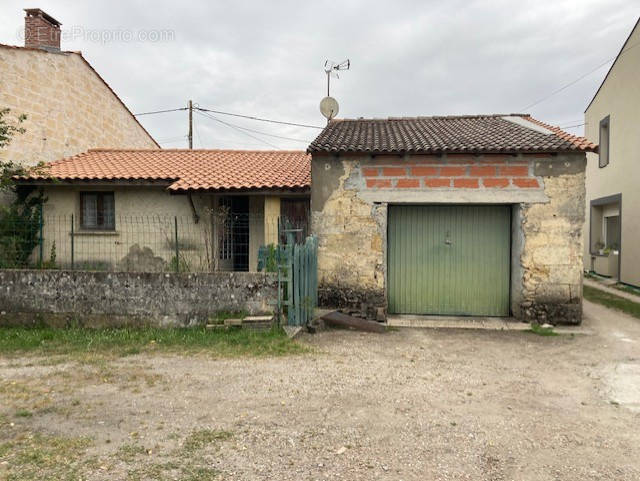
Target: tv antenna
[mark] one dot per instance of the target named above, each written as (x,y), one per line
(329,105)
(332,68)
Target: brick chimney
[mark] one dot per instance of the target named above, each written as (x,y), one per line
(41,30)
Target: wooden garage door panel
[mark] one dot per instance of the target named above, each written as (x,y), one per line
(449,260)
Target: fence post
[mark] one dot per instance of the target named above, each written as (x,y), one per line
(72,244)
(41,243)
(175,219)
(290,305)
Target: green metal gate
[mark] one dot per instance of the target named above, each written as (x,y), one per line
(449,260)
(301,277)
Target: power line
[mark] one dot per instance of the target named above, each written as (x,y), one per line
(170,141)
(175,137)
(262,133)
(260,119)
(220,112)
(564,87)
(195,127)
(238,129)
(160,111)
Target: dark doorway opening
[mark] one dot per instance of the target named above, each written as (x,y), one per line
(294,216)
(240,219)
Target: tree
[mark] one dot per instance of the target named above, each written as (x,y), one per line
(7,131)
(21,216)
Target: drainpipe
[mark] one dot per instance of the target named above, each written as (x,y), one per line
(196,217)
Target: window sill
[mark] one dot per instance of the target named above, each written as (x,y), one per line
(96,233)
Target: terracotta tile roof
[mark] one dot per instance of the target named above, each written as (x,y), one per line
(514,133)
(187,170)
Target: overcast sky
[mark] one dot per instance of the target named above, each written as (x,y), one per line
(407,58)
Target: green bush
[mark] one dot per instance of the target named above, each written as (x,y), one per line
(19,232)
(179,264)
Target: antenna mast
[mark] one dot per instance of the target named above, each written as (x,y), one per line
(190,135)
(329,105)
(332,68)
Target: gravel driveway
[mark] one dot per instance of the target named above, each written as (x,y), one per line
(407,405)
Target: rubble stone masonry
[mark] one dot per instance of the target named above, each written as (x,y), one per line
(350,196)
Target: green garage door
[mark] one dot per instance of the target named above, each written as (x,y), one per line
(450,260)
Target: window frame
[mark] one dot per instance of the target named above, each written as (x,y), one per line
(604,123)
(99,206)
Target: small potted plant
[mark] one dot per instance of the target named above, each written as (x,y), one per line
(615,249)
(600,247)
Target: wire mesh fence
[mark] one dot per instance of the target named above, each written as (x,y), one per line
(230,242)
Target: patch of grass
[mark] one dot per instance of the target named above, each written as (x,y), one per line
(220,316)
(612,301)
(128,452)
(199,474)
(34,457)
(20,393)
(628,289)
(23,413)
(543,331)
(46,341)
(199,439)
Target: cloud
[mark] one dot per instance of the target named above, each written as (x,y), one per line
(408,58)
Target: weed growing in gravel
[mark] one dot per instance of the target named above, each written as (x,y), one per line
(128,452)
(543,331)
(199,474)
(199,439)
(32,456)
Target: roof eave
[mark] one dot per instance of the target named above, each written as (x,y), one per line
(253,190)
(62,181)
(571,149)
(612,65)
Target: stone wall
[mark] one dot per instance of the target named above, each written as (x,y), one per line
(69,108)
(551,257)
(350,196)
(97,299)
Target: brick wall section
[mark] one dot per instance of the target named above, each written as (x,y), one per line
(38,32)
(451,172)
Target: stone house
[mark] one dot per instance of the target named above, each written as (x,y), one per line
(465,215)
(69,106)
(612,231)
(144,209)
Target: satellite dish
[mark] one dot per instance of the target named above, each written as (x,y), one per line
(329,107)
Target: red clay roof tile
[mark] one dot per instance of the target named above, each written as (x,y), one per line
(187,170)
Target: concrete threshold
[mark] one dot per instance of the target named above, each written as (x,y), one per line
(457,322)
(472,322)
